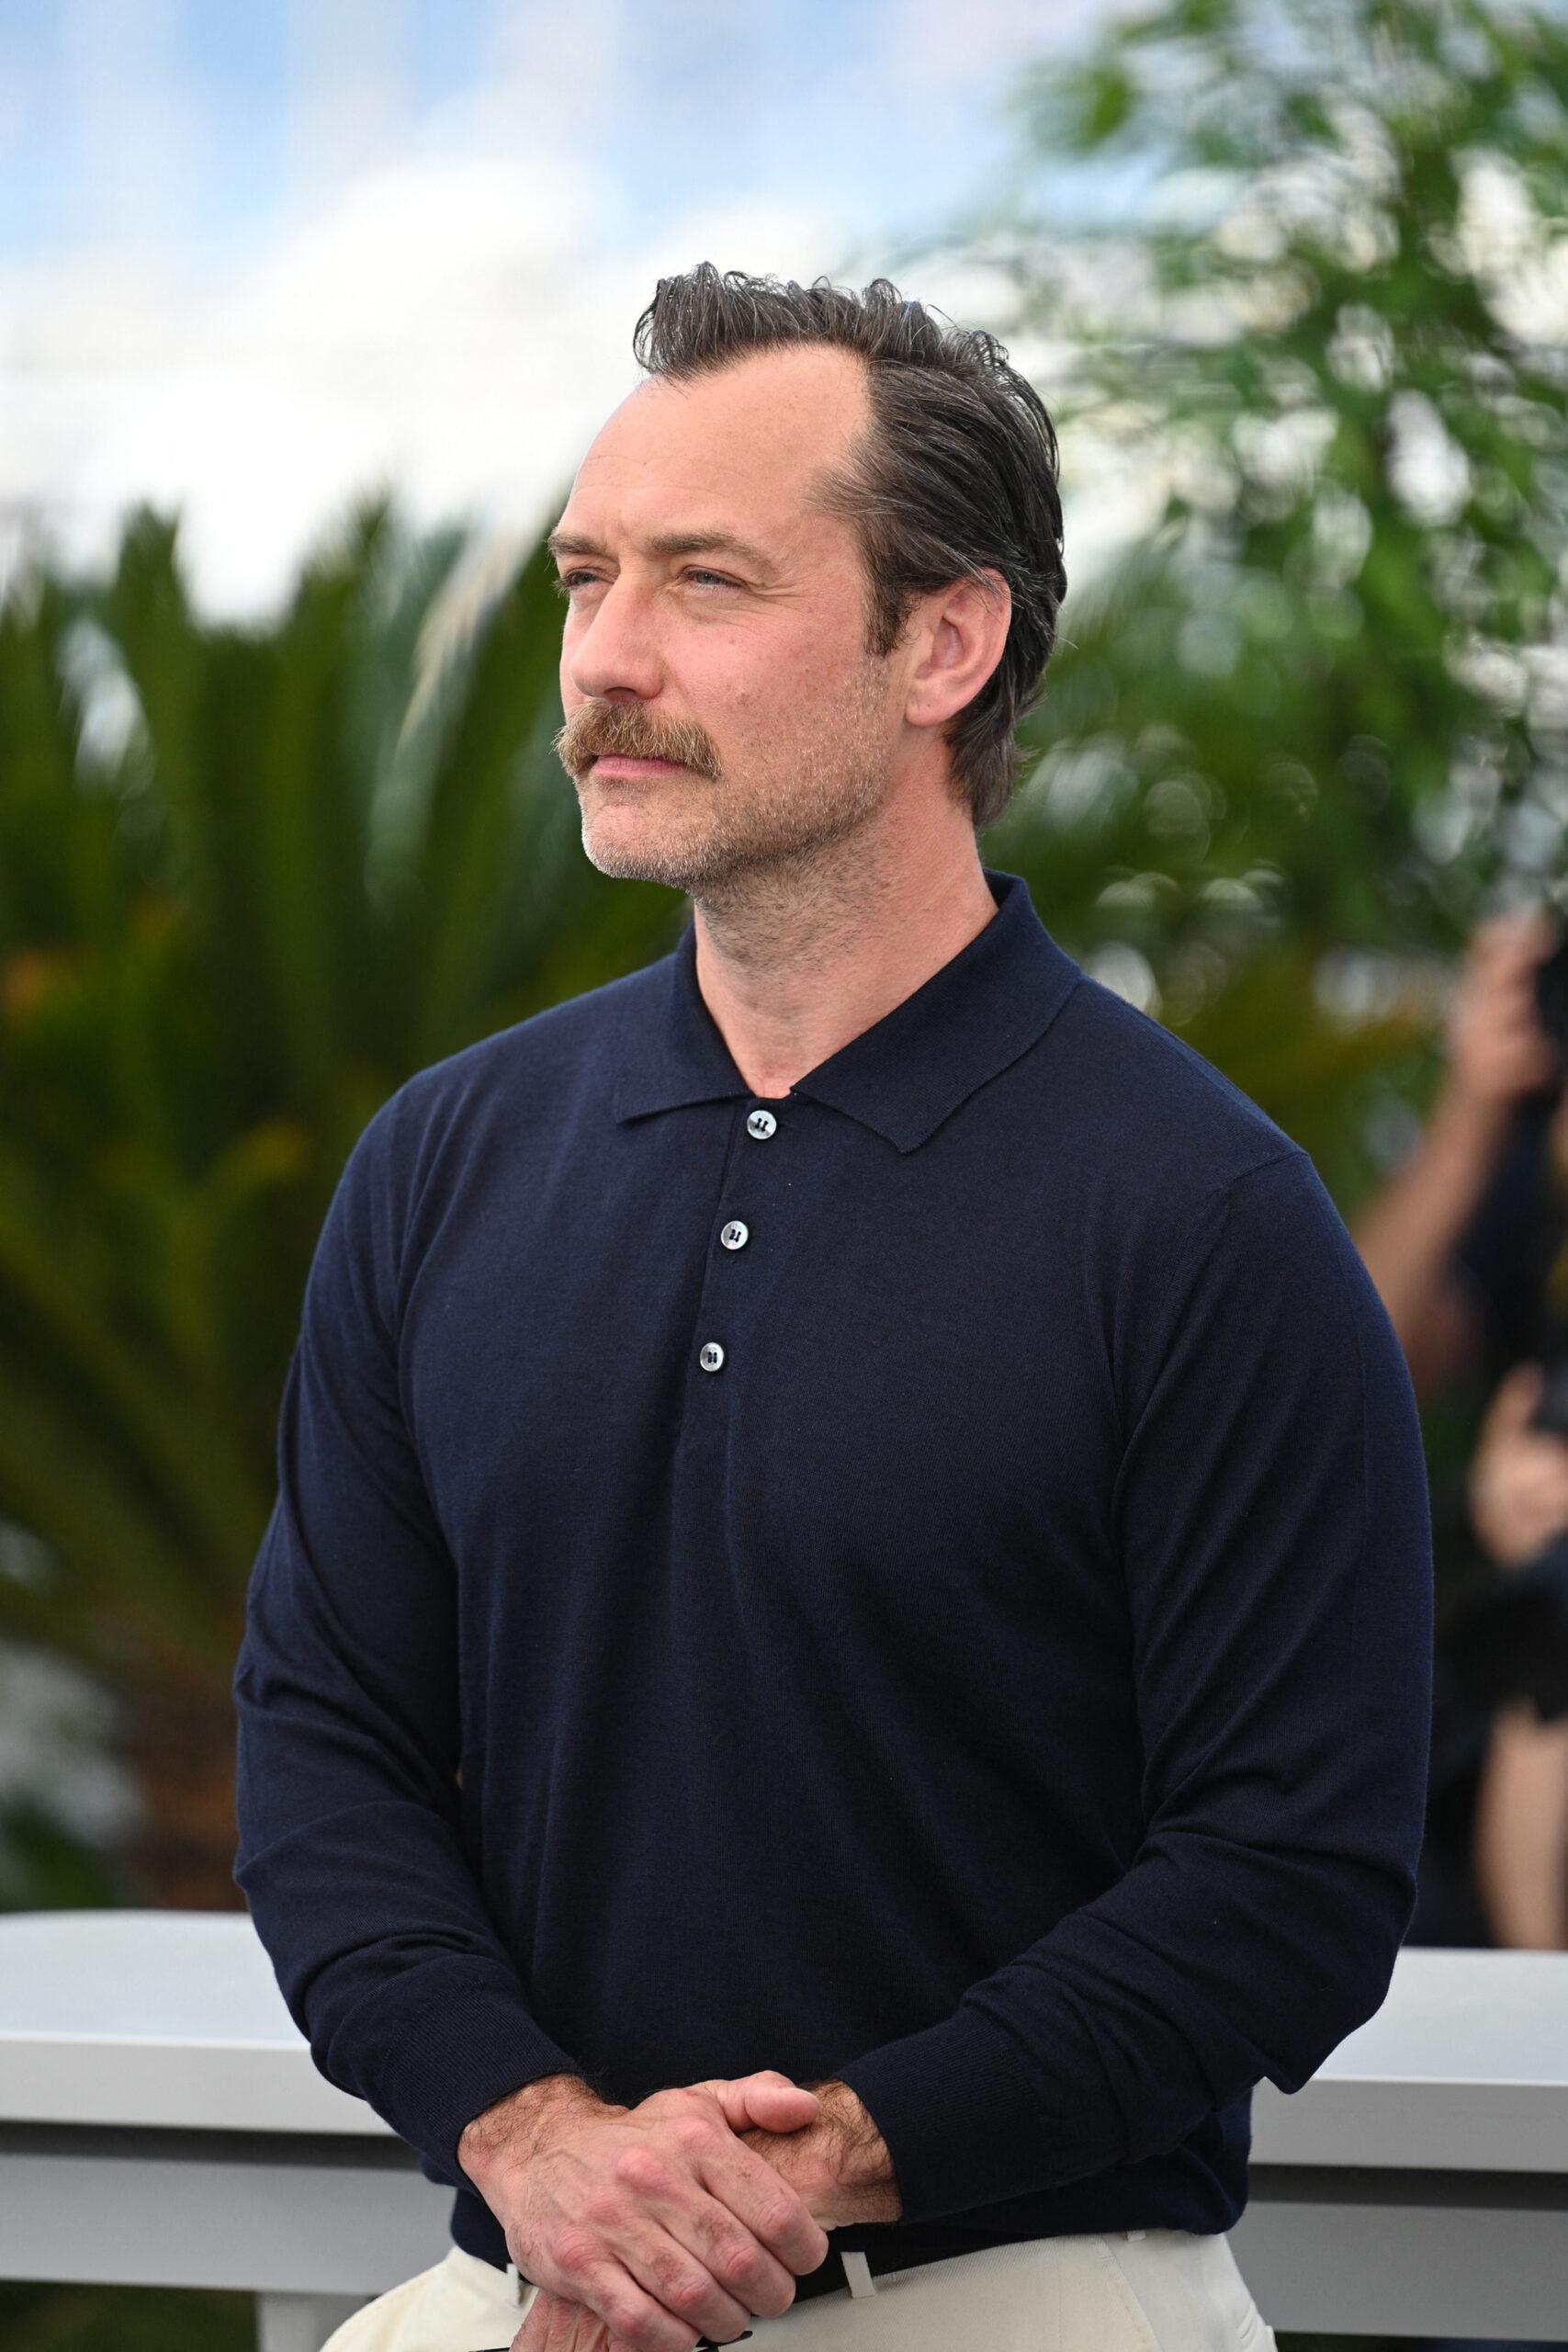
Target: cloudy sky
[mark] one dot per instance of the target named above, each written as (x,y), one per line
(256,255)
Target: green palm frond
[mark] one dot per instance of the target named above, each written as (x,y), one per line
(250,880)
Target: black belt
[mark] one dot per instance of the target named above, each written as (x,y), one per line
(829,2277)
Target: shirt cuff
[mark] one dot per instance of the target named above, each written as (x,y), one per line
(964,2116)
(451,2056)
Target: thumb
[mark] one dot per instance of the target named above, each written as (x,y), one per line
(766,2101)
(1518,1395)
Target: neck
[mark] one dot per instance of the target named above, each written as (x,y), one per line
(793,966)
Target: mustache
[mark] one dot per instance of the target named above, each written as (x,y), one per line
(608,727)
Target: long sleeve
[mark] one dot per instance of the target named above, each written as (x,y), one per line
(1270,1519)
(350,1854)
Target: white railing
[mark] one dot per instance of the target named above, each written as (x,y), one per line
(162,2123)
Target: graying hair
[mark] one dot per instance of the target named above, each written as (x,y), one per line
(958,474)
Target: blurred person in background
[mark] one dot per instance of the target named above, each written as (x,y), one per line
(1468,1245)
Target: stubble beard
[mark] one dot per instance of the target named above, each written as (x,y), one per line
(785,827)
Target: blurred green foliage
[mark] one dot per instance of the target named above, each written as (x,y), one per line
(128,2319)
(1297,736)
(250,878)
(1314,720)
(1298,732)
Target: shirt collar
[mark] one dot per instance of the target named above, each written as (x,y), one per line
(904,1075)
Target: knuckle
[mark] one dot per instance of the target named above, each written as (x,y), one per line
(695,2133)
(574,2250)
(640,2168)
(637,2324)
(681,2289)
(740,2263)
(775,2217)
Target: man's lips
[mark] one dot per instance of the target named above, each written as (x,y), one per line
(619,763)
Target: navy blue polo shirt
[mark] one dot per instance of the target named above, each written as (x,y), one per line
(925,1579)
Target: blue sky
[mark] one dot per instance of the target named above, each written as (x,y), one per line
(207,122)
(258,255)
(231,70)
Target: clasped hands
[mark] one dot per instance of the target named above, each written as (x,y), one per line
(648,2227)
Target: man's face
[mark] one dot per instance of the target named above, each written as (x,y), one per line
(718,621)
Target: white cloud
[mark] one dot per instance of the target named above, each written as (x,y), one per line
(445,324)
(442,303)
(930,44)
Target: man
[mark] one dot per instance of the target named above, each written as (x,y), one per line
(842,1660)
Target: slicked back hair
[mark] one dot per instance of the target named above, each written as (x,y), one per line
(956,475)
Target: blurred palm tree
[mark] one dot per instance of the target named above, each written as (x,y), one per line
(250,880)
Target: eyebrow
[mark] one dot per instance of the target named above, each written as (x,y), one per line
(670,543)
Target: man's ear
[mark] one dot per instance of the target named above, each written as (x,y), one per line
(960,632)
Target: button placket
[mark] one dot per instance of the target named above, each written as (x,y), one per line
(761,1124)
(760,1127)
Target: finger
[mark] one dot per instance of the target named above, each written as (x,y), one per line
(651,2271)
(1531,1480)
(540,2329)
(1519,1393)
(1516,1016)
(575,2328)
(1524,954)
(583,2330)
(1528,931)
(1507,1421)
(1502,1030)
(1510,991)
(530,2337)
(743,2202)
(660,2256)
(1539,1461)
(558,2323)
(1528,1062)
(1488,937)
(1534,1463)
(623,2298)
(758,2197)
(1511,1005)
(732,2255)
(725,2247)
(1530,1527)
(767,2100)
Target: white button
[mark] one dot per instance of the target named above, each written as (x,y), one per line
(735,1235)
(761,1125)
(712,1355)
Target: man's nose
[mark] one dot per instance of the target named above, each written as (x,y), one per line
(615,652)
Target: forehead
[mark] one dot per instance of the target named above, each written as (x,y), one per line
(744,443)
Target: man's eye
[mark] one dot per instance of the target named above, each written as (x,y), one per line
(567,579)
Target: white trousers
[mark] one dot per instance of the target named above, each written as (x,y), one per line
(1141,2290)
